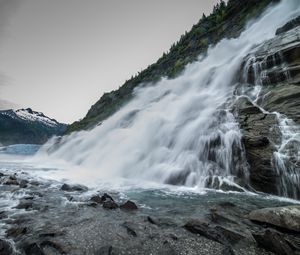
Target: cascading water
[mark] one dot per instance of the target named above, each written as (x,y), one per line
(258,76)
(178,131)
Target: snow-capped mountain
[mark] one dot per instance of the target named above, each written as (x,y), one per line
(28,127)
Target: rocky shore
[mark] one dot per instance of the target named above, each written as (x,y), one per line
(71,219)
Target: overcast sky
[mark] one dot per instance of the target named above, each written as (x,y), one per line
(60,56)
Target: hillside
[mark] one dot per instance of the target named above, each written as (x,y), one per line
(27,127)
(226,21)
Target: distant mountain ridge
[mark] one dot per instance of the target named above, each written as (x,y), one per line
(27,127)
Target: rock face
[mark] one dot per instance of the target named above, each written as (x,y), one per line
(260,134)
(270,118)
(290,25)
(284,217)
(25,126)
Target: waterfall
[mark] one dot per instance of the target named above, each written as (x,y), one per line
(255,82)
(178,131)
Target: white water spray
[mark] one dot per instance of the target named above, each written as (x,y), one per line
(177,131)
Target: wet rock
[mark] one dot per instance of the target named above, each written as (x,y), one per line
(109,204)
(227,204)
(105,197)
(278,74)
(24,204)
(3,214)
(5,248)
(23,184)
(260,133)
(28,198)
(129,229)
(151,220)
(129,205)
(287,217)
(33,249)
(11,182)
(14,232)
(288,26)
(273,241)
(97,199)
(71,188)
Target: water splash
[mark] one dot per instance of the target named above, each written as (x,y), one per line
(178,131)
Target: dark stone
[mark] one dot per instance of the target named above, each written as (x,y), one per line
(5,248)
(71,188)
(227,204)
(273,241)
(129,229)
(97,199)
(11,182)
(14,232)
(49,234)
(129,205)
(151,220)
(33,249)
(23,184)
(25,205)
(109,204)
(3,215)
(105,197)
(258,130)
(29,198)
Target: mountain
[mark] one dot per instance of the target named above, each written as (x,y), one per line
(260,152)
(25,126)
(226,21)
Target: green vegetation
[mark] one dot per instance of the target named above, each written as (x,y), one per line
(226,21)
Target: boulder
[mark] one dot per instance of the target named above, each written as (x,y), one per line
(71,188)
(129,205)
(97,199)
(287,217)
(109,204)
(273,241)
